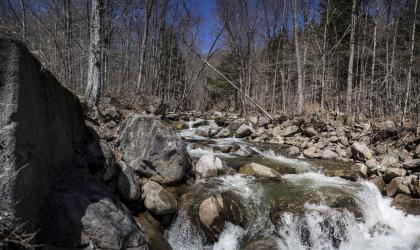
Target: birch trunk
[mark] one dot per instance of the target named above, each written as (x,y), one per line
(298,61)
(351,58)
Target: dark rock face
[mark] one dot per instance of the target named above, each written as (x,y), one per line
(41,126)
(152,148)
(44,178)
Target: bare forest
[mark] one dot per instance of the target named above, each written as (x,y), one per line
(357,59)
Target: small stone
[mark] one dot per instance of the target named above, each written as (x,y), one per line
(158,200)
(344,140)
(363,169)
(243,131)
(263,121)
(258,170)
(348,174)
(379,182)
(411,163)
(311,132)
(289,131)
(333,139)
(361,151)
(391,173)
(392,187)
(311,153)
(293,151)
(208,165)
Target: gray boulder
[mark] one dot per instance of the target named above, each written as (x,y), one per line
(293,151)
(207,166)
(243,131)
(263,121)
(361,152)
(411,164)
(152,148)
(289,131)
(158,200)
(127,184)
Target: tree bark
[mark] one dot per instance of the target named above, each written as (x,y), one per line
(23,12)
(351,58)
(298,61)
(93,89)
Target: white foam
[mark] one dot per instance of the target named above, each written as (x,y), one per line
(229,238)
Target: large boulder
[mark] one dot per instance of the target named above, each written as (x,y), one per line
(243,131)
(82,212)
(361,151)
(218,209)
(42,135)
(152,148)
(41,129)
(258,170)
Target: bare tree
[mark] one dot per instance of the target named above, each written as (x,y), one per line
(93,89)
(351,58)
(298,60)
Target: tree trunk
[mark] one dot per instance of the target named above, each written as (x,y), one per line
(23,12)
(351,57)
(410,67)
(93,89)
(148,12)
(67,13)
(298,61)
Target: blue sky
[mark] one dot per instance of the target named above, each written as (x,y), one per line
(206,9)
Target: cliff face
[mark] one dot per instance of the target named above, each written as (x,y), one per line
(44,179)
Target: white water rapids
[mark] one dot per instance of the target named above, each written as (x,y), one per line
(382,227)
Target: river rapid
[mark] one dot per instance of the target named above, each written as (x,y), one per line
(302,209)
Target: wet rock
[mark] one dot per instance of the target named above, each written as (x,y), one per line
(289,131)
(158,200)
(417,152)
(243,131)
(127,184)
(293,151)
(392,187)
(225,132)
(152,148)
(361,151)
(200,123)
(207,166)
(407,204)
(379,182)
(179,125)
(411,164)
(265,243)
(218,209)
(391,173)
(203,131)
(311,153)
(328,154)
(348,174)
(151,230)
(258,170)
(253,120)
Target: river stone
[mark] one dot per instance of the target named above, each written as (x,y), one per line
(361,151)
(225,132)
(411,164)
(207,166)
(389,159)
(328,154)
(348,174)
(179,125)
(417,152)
(253,120)
(258,170)
(391,173)
(266,243)
(372,165)
(311,153)
(363,169)
(277,131)
(311,132)
(200,123)
(263,121)
(151,230)
(152,147)
(414,187)
(243,131)
(293,151)
(407,204)
(333,139)
(218,209)
(111,114)
(344,140)
(289,131)
(203,131)
(158,200)
(392,187)
(127,183)
(379,182)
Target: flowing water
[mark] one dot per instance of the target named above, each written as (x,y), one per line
(304,209)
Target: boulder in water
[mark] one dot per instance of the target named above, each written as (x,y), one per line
(293,151)
(407,204)
(379,182)
(152,148)
(243,131)
(158,200)
(348,174)
(258,170)
(392,187)
(225,132)
(208,165)
(218,209)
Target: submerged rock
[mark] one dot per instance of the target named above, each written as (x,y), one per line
(258,170)
(218,209)
(152,148)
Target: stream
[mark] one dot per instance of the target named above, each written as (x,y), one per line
(302,209)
